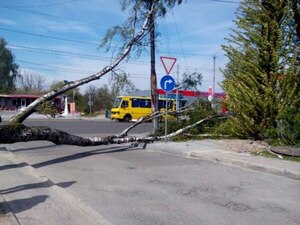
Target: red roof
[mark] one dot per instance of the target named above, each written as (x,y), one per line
(191,93)
(21,96)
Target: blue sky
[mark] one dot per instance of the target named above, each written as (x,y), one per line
(59,39)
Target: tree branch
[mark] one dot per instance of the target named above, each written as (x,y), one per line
(16,132)
(21,116)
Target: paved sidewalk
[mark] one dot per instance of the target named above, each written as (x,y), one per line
(219,151)
(29,198)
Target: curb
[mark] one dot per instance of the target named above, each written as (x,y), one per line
(248,165)
(225,158)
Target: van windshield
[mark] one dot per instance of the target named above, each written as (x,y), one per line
(117,103)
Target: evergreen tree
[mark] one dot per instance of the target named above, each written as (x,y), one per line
(262,79)
(8,69)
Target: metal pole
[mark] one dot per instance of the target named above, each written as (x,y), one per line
(177,82)
(166,119)
(214,81)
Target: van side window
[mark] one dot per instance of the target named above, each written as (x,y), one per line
(135,102)
(161,104)
(124,104)
(145,103)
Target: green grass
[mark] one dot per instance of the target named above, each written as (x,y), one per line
(267,154)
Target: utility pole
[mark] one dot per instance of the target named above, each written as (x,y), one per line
(177,84)
(214,77)
(214,81)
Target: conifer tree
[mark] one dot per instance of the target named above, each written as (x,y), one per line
(262,79)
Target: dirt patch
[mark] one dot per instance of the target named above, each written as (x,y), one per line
(244,146)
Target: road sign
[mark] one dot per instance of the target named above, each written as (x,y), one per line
(167,83)
(90,103)
(168,63)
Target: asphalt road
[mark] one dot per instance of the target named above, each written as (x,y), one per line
(90,127)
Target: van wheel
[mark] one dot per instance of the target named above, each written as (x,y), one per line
(127,118)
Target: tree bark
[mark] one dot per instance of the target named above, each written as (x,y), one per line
(153,78)
(12,133)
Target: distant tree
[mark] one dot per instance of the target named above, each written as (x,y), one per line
(137,12)
(262,78)
(75,93)
(8,68)
(90,95)
(191,81)
(100,97)
(31,83)
(121,84)
(105,97)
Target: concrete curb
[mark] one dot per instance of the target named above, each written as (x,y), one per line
(248,165)
(211,153)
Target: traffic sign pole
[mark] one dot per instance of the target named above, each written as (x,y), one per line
(167,83)
(166,119)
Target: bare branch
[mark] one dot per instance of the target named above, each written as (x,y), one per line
(21,116)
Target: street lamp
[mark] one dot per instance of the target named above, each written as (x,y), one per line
(214,77)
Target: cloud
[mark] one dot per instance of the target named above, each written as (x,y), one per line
(7,21)
(66,27)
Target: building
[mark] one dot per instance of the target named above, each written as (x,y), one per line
(190,96)
(18,101)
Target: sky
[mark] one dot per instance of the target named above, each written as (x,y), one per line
(59,39)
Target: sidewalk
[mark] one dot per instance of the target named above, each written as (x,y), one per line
(219,151)
(27,197)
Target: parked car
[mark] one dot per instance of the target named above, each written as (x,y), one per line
(0,119)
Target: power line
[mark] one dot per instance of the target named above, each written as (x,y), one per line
(67,69)
(68,54)
(49,37)
(84,42)
(50,15)
(225,1)
(56,52)
(57,67)
(41,6)
(178,37)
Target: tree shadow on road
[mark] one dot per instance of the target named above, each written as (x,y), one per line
(69,157)
(13,166)
(20,205)
(82,155)
(44,184)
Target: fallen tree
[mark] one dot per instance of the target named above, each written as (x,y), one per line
(15,131)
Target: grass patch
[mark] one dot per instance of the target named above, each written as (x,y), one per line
(284,157)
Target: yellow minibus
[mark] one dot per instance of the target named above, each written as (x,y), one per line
(128,108)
